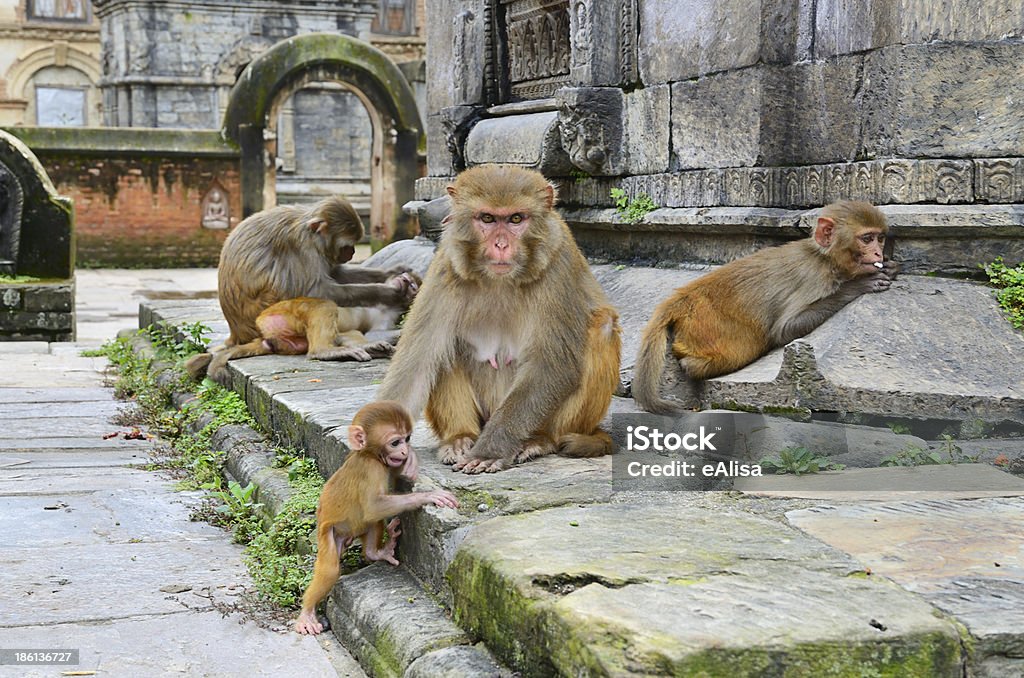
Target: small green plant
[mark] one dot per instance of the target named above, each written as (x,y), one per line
(1010,283)
(578,175)
(899,429)
(167,345)
(632,211)
(239,510)
(798,461)
(914,455)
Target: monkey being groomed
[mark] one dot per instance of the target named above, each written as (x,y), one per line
(511,343)
(735,314)
(317,327)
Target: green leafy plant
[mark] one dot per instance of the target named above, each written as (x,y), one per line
(632,211)
(240,511)
(914,455)
(798,461)
(1010,283)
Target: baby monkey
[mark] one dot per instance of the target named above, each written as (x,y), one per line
(356,500)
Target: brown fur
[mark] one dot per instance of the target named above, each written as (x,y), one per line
(735,314)
(356,500)
(293,251)
(546,313)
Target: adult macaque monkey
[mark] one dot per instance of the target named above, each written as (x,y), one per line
(317,327)
(293,251)
(356,500)
(511,343)
(737,313)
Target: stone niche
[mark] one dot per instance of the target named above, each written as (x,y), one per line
(37,290)
(739,119)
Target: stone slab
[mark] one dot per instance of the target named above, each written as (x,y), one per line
(624,590)
(118,516)
(73,443)
(57,394)
(945,481)
(53,481)
(921,544)
(71,425)
(185,642)
(46,590)
(101,410)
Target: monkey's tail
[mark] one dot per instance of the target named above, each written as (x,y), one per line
(650,366)
(197,365)
(580,446)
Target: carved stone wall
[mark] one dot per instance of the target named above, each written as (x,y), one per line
(738,105)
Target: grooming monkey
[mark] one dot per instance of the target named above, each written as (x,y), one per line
(293,251)
(317,327)
(735,314)
(511,344)
(356,500)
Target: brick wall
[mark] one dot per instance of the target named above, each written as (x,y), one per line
(138,193)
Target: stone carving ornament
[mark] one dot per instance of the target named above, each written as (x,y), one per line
(11,200)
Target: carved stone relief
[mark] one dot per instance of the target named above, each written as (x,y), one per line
(590,122)
(538,46)
(216,209)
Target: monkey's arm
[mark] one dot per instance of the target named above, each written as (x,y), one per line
(347,273)
(811,317)
(382,506)
(369,294)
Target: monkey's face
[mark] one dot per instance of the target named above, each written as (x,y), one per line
(865,250)
(394,447)
(499,232)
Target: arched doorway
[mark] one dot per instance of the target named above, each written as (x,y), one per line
(397,131)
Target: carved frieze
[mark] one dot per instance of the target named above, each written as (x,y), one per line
(537,34)
(999,180)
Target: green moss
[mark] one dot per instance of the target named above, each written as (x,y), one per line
(18,279)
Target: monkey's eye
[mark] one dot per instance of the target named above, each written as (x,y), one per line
(408,438)
(487,218)
(396,442)
(516,218)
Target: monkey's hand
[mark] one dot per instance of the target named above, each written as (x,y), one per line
(398,270)
(442,498)
(407,284)
(877,282)
(410,470)
(891,269)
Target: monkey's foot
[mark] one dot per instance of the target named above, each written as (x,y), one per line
(357,354)
(533,450)
(379,349)
(307,624)
(455,450)
(475,466)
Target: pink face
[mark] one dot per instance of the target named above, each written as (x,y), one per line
(395,448)
(500,231)
(869,247)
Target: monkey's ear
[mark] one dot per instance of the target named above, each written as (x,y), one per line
(551,196)
(356,437)
(452,193)
(825,232)
(317,225)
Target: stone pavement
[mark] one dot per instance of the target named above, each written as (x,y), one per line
(99,555)
(560,575)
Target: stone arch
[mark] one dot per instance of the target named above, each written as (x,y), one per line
(397,131)
(59,54)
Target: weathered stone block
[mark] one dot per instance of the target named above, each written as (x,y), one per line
(944,100)
(811,113)
(532,140)
(647,130)
(844,27)
(58,298)
(716,121)
(456,66)
(682,40)
(999,180)
(602,41)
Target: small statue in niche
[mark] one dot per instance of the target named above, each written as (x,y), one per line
(216,212)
